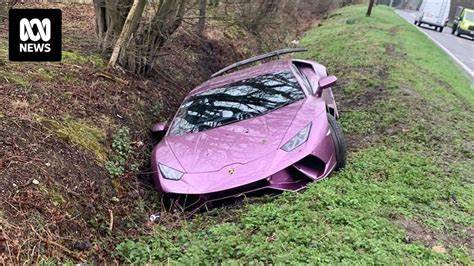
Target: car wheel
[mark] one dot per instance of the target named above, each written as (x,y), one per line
(441,29)
(457,33)
(416,22)
(339,142)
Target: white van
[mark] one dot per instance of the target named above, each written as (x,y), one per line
(434,13)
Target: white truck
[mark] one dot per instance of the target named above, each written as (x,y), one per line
(434,13)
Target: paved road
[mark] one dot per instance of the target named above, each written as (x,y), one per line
(462,48)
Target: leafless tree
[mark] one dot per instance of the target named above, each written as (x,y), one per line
(253,15)
(110,16)
(136,30)
(130,25)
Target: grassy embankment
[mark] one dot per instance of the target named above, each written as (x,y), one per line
(406,193)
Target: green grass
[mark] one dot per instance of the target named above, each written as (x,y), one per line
(409,109)
(69,57)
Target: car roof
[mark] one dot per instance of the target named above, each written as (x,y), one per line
(274,66)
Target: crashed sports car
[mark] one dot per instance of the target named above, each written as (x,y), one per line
(270,126)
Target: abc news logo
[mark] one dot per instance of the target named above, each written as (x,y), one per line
(34,35)
(27,33)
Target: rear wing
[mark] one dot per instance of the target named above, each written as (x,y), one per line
(258,58)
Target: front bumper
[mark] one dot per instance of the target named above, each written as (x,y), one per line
(286,180)
(469,33)
(293,178)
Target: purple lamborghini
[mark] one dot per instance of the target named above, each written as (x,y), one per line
(267,127)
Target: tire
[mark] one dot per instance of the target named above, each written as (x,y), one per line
(436,28)
(339,143)
(453,29)
(457,33)
(441,29)
(416,22)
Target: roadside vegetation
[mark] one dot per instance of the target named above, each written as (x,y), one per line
(406,193)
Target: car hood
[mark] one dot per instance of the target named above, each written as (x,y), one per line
(240,142)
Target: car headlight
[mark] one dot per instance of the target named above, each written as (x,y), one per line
(300,138)
(170,173)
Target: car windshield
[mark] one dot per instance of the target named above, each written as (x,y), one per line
(469,15)
(237,101)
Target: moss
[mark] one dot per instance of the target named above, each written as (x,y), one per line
(15,78)
(79,133)
(20,81)
(79,59)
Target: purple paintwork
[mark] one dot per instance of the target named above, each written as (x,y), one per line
(231,160)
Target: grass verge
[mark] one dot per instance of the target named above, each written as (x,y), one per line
(405,196)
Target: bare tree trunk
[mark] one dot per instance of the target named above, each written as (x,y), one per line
(141,52)
(369,10)
(100,19)
(110,17)
(132,38)
(202,17)
(167,21)
(129,26)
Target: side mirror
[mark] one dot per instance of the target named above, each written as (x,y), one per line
(160,127)
(327,82)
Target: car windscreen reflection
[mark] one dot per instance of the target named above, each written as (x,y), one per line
(237,101)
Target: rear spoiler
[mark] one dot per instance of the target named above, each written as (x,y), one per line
(258,58)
